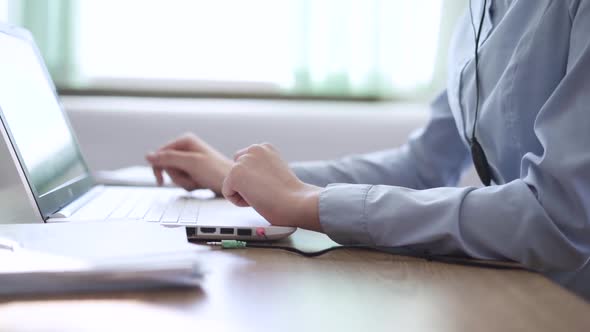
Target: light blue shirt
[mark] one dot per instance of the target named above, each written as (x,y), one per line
(534,126)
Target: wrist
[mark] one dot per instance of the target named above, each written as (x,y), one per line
(307,208)
(223,169)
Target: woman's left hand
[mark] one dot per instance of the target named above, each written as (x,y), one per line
(261,179)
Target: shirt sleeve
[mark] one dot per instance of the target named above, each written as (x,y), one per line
(434,156)
(541,219)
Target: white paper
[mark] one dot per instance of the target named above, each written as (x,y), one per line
(24,260)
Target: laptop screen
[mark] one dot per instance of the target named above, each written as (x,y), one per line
(35,122)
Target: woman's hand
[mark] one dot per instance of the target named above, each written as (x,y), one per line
(261,179)
(191,163)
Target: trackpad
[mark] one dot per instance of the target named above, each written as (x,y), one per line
(220,212)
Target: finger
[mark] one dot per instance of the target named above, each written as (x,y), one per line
(269,147)
(158,174)
(240,153)
(184,142)
(172,159)
(226,188)
(156,170)
(181,179)
(254,148)
(230,194)
(238,200)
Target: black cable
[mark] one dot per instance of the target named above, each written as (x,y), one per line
(400,251)
(477,38)
(309,254)
(480,161)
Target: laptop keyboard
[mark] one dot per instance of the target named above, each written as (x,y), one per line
(170,206)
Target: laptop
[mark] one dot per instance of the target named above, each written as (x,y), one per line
(57,179)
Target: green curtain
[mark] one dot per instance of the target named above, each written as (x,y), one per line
(53,27)
(384,25)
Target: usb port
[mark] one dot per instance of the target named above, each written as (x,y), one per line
(244,232)
(191,231)
(226,231)
(207,230)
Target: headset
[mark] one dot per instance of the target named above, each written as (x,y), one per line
(480,161)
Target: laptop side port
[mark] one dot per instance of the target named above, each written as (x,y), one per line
(226,231)
(244,232)
(191,232)
(207,230)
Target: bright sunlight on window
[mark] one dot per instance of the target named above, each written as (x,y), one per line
(187,40)
(296,48)
(330,47)
(3,10)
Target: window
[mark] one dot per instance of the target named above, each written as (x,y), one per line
(342,48)
(3,10)
(179,40)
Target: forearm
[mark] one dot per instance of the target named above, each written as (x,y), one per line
(503,222)
(434,156)
(392,167)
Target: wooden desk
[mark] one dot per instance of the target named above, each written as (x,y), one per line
(272,290)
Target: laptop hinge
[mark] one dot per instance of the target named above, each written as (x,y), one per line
(69,210)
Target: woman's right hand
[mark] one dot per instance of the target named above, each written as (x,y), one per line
(191,164)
